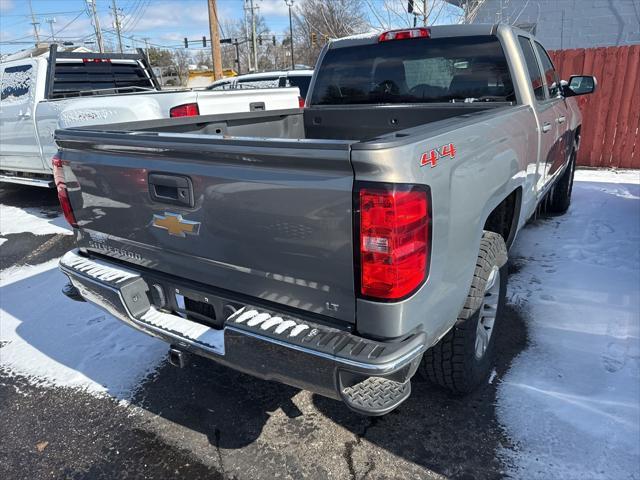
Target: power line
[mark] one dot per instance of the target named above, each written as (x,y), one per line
(43,14)
(137,13)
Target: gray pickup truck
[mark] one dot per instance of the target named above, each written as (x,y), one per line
(339,248)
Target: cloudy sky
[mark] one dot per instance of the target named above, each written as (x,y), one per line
(164,22)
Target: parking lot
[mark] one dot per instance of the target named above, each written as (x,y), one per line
(83,396)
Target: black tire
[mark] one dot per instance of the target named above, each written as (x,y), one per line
(454,363)
(560,198)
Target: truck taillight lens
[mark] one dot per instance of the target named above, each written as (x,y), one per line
(186,110)
(63,194)
(404,34)
(395,230)
(300,102)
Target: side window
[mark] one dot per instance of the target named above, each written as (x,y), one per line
(553,83)
(532,67)
(16,83)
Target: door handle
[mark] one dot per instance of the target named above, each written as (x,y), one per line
(24,115)
(173,189)
(561,119)
(546,127)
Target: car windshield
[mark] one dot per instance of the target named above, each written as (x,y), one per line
(467,69)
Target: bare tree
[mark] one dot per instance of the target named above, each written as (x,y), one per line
(270,55)
(181,59)
(203,59)
(395,13)
(317,21)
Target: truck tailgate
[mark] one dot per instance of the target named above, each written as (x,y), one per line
(271,220)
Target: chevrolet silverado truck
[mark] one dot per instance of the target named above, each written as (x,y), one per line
(61,89)
(339,248)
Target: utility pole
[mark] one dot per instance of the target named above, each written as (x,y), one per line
(237,46)
(51,21)
(96,25)
(34,23)
(216,54)
(253,35)
(246,33)
(293,62)
(424,13)
(116,16)
(146,49)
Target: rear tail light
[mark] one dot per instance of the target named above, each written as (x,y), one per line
(63,194)
(186,110)
(404,34)
(395,231)
(300,102)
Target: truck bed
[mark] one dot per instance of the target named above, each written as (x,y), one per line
(320,123)
(272,195)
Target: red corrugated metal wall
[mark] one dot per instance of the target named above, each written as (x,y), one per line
(611,116)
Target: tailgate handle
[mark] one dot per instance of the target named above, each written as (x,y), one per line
(256,107)
(173,189)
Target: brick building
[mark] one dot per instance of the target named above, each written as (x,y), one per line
(563,24)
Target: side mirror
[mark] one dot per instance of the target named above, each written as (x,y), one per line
(579,85)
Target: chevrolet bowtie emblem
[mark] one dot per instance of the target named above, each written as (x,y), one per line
(176,225)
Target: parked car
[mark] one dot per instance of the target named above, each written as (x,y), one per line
(342,247)
(40,94)
(277,79)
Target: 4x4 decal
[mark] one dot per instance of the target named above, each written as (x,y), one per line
(432,157)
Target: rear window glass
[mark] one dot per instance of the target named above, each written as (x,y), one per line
(263,82)
(84,78)
(450,69)
(302,82)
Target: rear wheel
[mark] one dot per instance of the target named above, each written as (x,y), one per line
(561,195)
(464,356)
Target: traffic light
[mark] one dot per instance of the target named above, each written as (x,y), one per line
(313,38)
(410,6)
(186,42)
(260,40)
(274,40)
(204,41)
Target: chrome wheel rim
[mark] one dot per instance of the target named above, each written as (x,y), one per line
(488,310)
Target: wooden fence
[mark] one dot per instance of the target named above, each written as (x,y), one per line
(611,116)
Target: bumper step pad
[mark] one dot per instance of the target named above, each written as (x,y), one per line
(376,395)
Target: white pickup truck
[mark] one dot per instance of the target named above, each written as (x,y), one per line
(65,89)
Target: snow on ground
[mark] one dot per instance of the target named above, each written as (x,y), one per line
(571,400)
(19,220)
(55,340)
(61,342)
